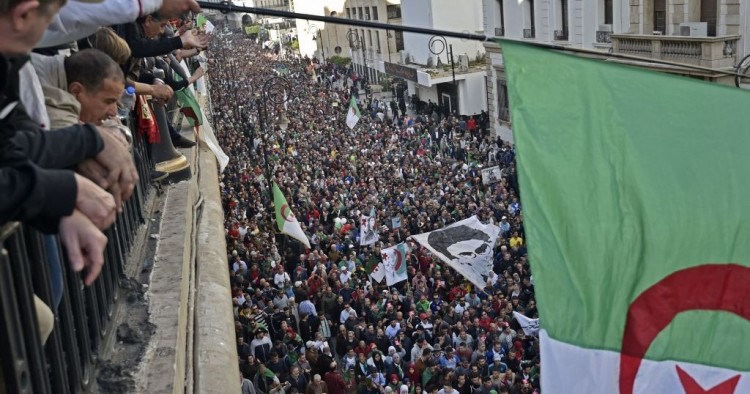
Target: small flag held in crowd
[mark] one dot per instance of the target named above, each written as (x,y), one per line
(642,288)
(396,222)
(467,246)
(285,219)
(530,326)
(368,233)
(394,262)
(378,273)
(352,117)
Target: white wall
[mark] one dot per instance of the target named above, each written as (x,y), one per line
(462,16)
(472,95)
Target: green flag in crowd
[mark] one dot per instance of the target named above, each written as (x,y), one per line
(285,219)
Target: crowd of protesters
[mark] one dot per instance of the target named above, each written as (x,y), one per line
(310,320)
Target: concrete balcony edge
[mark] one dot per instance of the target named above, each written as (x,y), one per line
(215,350)
(193,348)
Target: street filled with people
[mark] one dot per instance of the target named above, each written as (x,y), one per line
(313,320)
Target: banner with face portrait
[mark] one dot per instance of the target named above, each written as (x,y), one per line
(466,246)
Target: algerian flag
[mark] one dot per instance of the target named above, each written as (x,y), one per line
(352,117)
(378,273)
(466,246)
(285,218)
(394,262)
(636,204)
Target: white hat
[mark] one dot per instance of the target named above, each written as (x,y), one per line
(298,283)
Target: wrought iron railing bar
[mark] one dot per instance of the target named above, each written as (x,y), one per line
(15,365)
(29,322)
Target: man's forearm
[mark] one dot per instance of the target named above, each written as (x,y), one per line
(61,148)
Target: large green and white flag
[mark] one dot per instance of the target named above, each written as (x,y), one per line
(352,117)
(285,219)
(636,194)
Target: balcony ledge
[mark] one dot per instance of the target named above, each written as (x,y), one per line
(710,52)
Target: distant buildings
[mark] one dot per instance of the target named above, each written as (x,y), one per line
(706,33)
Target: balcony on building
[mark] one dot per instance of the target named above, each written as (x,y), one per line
(693,46)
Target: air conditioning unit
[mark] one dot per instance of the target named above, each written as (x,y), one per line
(463,63)
(694,29)
(605,28)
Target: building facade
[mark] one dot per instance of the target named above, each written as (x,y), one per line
(704,33)
(449,71)
(366,48)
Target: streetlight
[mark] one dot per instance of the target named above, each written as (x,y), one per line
(354,41)
(313,30)
(438,45)
(275,91)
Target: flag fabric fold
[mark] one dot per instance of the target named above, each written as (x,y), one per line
(466,246)
(352,117)
(635,195)
(528,325)
(285,219)
(394,263)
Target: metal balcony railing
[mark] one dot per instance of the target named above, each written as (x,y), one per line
(65,363)
(603,37)
(499,32)
(711,52)
(561,35)
(528,33)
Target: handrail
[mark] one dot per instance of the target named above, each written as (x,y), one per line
(65,363)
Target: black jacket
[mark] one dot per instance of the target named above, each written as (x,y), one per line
(35,186)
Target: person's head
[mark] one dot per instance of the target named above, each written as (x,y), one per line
(97,83)
(23,22)
(295,372)
(316,380)
(153,25)
(106,40)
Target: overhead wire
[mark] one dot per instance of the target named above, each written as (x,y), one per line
(226,7)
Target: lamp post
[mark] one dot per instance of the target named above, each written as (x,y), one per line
(438,45)
(356,41)
(274,91)
(313,30)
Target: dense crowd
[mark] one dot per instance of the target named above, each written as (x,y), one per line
(311,320)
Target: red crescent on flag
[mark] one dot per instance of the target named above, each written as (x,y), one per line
(399,260)
(709,287)
(288,216)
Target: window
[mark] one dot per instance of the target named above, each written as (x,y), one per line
(708,15)
(361,14)
(377,39)
(394,11)
(399,37)
(367,13)
(660,16)
(503,112)
(499,19)
(354,13)
(562,34)
(529,31)
(374,13)
(349,13)
(369,37)
(608,12)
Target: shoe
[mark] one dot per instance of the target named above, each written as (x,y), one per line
(183,142)
(157,176)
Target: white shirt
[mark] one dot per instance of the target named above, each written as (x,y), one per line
(346,313)
(280,278)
